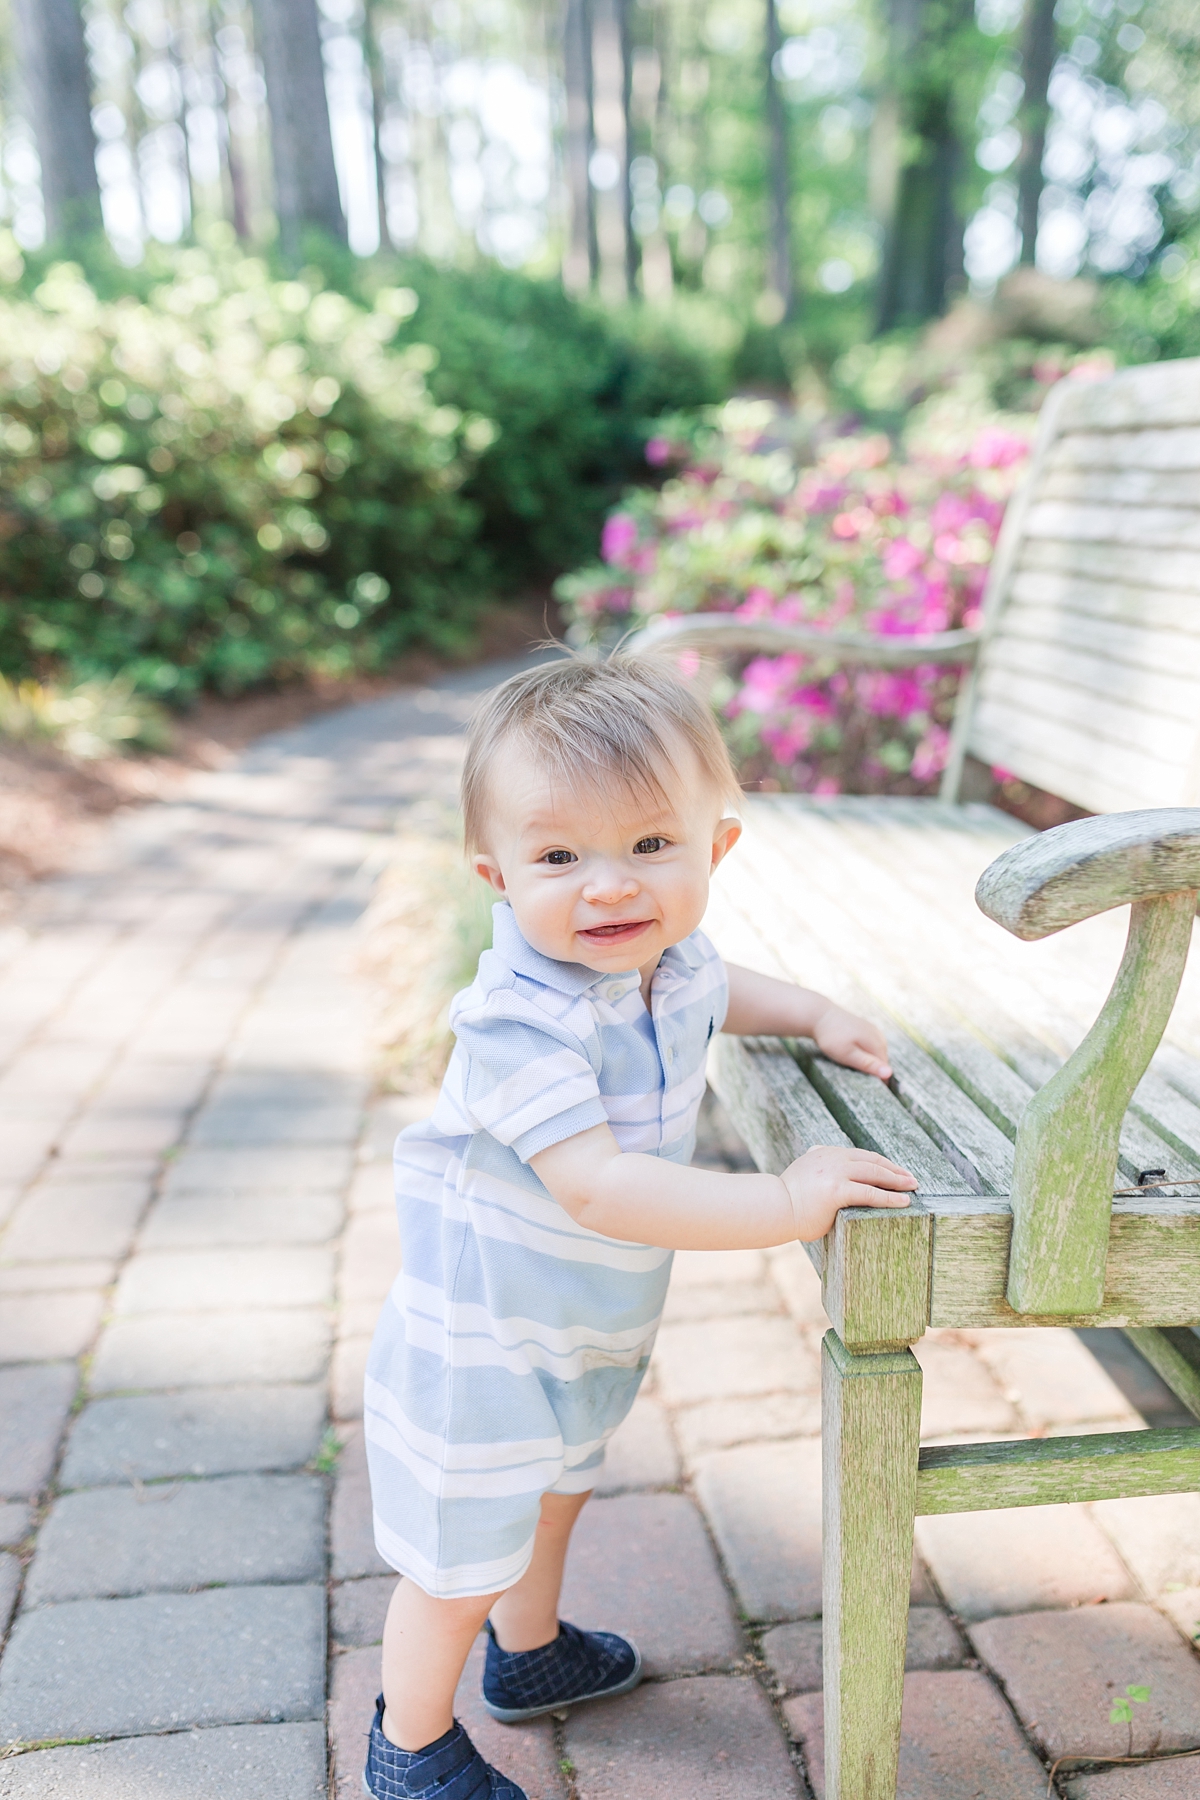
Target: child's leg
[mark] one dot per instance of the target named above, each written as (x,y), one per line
(425,1644)
(525,1617)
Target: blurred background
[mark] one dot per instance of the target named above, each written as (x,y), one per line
(334,332)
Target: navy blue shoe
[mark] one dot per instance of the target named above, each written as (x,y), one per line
(450,1769)
(576,1666)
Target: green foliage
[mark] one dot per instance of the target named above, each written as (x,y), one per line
(569,386)
(218,477)
(236,478)
(1160,315)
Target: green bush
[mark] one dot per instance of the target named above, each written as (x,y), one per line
(570,386)
(233,479)
(220,476)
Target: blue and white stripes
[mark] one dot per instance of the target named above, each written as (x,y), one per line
(514,1341)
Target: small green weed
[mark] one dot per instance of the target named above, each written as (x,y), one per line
(325,1462)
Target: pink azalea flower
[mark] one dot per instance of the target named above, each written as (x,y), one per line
(618,538)
(901,559)
(929,757)
(996,448)
(658,451)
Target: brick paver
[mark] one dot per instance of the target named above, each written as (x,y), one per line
(958,1741)
(200,1231)
(1062,1671)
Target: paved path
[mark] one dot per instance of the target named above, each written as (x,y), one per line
(200,1231)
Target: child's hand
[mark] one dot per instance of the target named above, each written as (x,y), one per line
(825,1179)
(845,1038)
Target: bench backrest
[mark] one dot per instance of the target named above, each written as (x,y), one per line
(1089,677)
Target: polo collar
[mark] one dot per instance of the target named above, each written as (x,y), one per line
(573,978)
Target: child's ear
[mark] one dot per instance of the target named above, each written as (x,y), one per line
(488,869)
(724,838)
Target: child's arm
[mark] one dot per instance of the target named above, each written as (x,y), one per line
(643,1200)
(760,1006)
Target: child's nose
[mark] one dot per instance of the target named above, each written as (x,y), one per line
(608,886)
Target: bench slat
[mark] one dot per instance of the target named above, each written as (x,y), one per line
(1097,775)
(966,1134)
(1165,448)
(1161,669)
(1166,570)
(1141,614)
(1117,695)
(1065,973)
(1148,527)
(844,876)
(1136,484)
(1155,395)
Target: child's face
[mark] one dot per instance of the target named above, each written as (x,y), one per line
(609,881)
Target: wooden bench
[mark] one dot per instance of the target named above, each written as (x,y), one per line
(1032,1135)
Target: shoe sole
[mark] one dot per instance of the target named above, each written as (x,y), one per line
(514,1715)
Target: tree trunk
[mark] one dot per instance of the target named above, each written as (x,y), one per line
(377,73)
(54,68)
(1038,50)
(306,188)
(923,232)
(780,278)
(582,264)
(632,256)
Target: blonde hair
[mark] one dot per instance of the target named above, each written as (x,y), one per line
(592,724)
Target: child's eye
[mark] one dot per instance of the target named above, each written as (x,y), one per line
(648,845)
(560,858)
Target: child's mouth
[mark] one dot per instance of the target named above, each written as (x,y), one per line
(615,934)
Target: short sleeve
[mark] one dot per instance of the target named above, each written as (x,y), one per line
(527,1085)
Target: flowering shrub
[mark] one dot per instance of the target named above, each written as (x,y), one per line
(236,478)
(863,537)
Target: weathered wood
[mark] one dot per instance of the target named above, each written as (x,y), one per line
(999,580)
(875,1279)
(873,1117)
(956,1478)
(1134,485)
(777,1111)
(725,634)
(1152,1274)
(1174,447)
(1157,395)
(1130,617)
(772,1105)
(936,976)
(760,880)
(1175,1355)
(1066,1156)
(1167,571)
(1071,873)
(1147,527)
(874,1264)
(1119,678)
(1066,730)
(871,1416)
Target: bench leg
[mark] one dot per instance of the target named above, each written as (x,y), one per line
(871,1416)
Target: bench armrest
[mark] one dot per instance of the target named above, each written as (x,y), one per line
(1066,1152)
(727,634)
(1069,874)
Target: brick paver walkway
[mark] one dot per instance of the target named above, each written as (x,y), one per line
(200,1231)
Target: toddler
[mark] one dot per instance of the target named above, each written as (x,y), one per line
(540,1204)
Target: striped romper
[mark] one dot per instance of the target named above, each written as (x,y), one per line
(514,1341)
